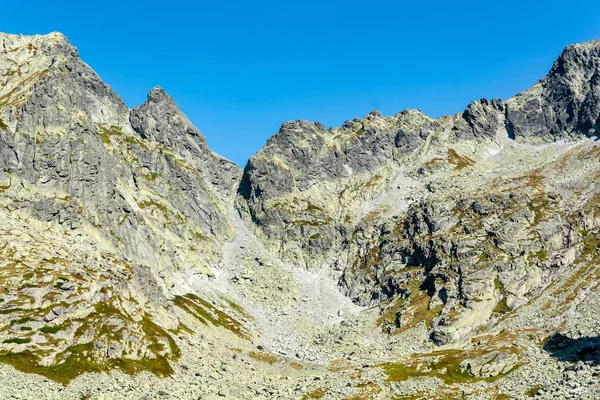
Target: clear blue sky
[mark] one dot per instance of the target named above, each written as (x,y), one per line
(238,69)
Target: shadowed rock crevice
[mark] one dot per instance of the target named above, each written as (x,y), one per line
(564,348)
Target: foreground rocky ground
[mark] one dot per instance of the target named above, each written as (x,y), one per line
(395,257)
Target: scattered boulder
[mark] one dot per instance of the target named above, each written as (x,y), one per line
(490,364)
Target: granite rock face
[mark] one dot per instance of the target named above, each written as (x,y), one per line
(304,186)
(301,189)
(72,134)
(565,102)
(132,203)
(160,120)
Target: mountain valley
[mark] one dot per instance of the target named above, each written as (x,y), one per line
(393,257)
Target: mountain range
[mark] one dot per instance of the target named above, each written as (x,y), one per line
(400,256)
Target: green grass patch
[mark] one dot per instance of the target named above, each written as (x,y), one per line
(21,321)
(136,142)
(443,364)
(236,307)
(56,328)
(57,260)
(152,176)
(17,340)
(542,255)
(207,313)
(199,236)
(313,208)
(11,310)
(153,204)
(183,328)
(123,219)
(590,244)
(105,134)
(484,257)
(533,391)
(318,393)
(264,357)
(502,307)
(154,332)
(29,285)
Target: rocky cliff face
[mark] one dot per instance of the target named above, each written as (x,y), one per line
(306,187)
(381,258)
(565,102)
(303,159)
(133,203)
(65,131)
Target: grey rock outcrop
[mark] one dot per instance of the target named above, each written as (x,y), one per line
(352,164)
(490,365)
(565,102)
(132,202)
(159,119)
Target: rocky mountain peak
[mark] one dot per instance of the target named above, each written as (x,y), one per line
(52,44)
(29,60)
(158,95)
(160,119)
(565,102)
(575,68)
(579,53)
(374,114)
(59,41)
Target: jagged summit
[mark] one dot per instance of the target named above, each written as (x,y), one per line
(57,38)
(160,119)
(52,37)
(158,94)
(563,103)
(589,45)
(51,44)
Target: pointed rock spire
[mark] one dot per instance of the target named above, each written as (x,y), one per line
(563,103)
(160,119)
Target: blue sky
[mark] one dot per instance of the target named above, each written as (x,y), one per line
(238,69)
